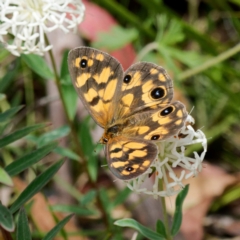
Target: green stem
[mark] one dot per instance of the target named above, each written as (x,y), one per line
(145,50)
(74,136)
(165,215)
(29,94)
(211,62)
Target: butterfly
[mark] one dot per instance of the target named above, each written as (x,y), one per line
(133,107)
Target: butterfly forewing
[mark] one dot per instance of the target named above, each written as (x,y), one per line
(129,157)
(144,86)
(95,76)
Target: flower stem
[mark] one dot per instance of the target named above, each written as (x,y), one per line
(76,141)
(211,62)
(165,215)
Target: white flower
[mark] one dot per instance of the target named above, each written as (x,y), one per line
(172,155)
(27,21)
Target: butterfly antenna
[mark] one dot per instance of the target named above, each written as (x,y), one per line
(191,110)
(105,165)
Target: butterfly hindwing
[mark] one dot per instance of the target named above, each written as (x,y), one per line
(129,157)
(95,76)
(158,124)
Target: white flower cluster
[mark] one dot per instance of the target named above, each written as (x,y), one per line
(172,155)
(23,23)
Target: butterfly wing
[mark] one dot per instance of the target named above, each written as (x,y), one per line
(129,157)
(157,124)
(95,76)
(144,86)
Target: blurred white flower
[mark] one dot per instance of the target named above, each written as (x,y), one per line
(27,20)
(172,155)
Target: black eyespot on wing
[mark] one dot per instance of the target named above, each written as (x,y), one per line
(166,111)
(129,169)
(127,79)
(155,137)
(83,63)
(157,93)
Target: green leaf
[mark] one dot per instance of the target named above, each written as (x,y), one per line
(88,149)
(88,197)
(6,219)
(177,218)
(5,178)
(121,36)
(53,135)
(72,209)
(160,228)
(146,232)
(29,159)
(9,113)
(121,196)
(66,152)
(38,65)
(69,94)
(35,186)
(50,235)
(64,72)
(12,137)
(23,231)
(6,81)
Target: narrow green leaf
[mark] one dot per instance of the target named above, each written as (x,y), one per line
(146,232)
(160,228)
(72,209)
(66,152)
(5,178)
(69,96)
(6,81)
(88,149)
(9,113)
(53,135)
(38,65)
(35,186)
(29,159)
(50,235)
(6,219)
(88,197)
(64,67)
(177,218)
(121,196)
(23,231)
(12,137)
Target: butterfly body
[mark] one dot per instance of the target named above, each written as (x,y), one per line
(134,107)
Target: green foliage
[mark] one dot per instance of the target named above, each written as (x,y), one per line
(5,178)
(29,159)
(23,231)
(6,219)
(148,233)
(51,234)
(177,218)
(116,38)
(38,65)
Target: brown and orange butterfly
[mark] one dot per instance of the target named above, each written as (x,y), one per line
(134,107)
